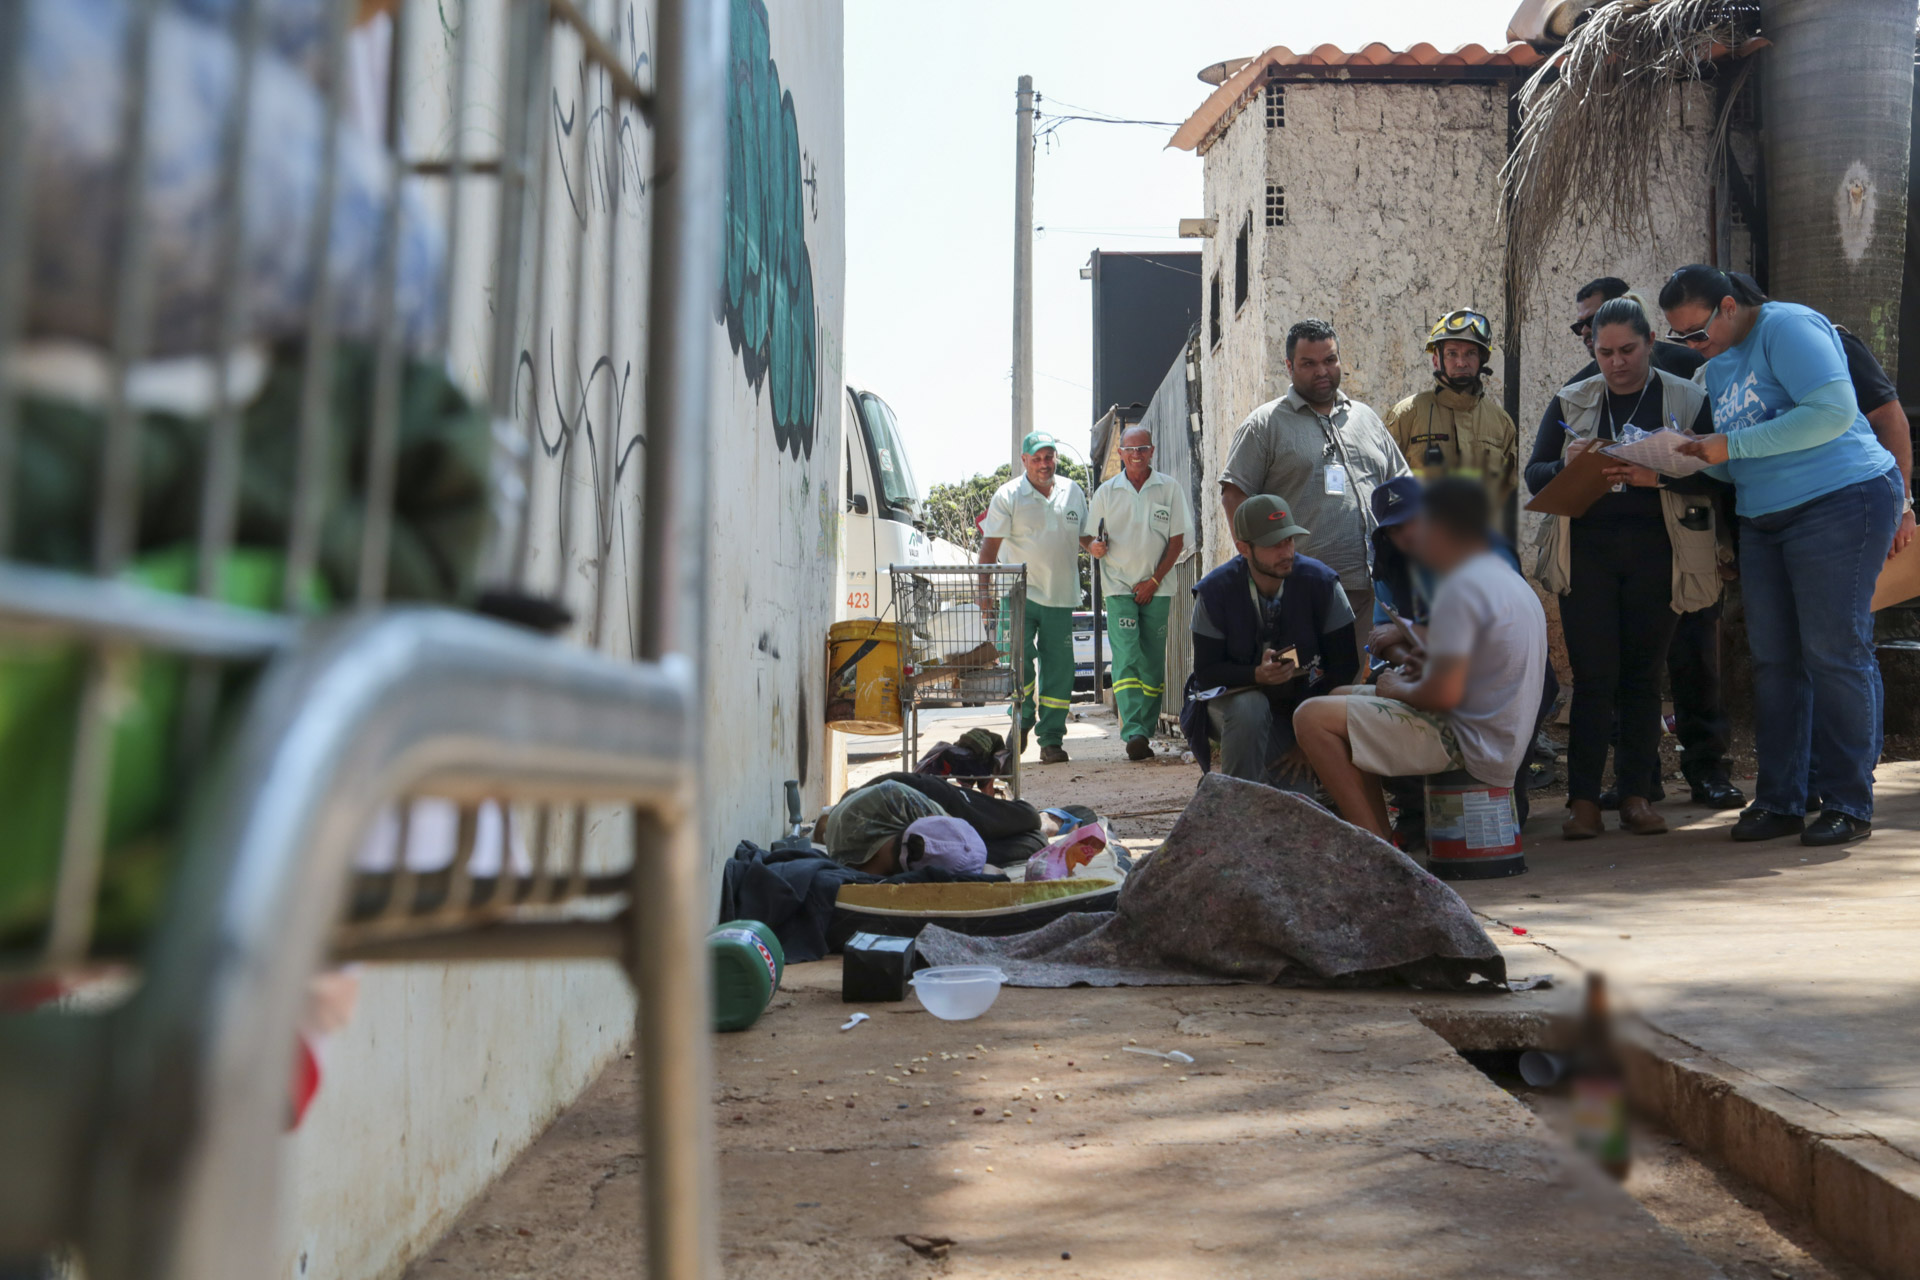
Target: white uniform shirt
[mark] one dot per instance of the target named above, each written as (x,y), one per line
(1140,523)
(1042,533)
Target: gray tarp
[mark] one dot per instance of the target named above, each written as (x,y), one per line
(1254,885)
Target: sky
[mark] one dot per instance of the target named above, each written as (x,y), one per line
(930,160)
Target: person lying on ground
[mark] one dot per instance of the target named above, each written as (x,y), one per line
(1468,699)
(1270,627)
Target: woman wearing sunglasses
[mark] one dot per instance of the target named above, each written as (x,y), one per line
(1818,499)
(1626,569)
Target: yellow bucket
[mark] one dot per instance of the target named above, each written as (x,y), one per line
(863,676)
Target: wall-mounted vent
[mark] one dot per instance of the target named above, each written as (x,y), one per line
(1276,205)
(1276,104)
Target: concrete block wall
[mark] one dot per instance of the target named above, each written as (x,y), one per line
(1392,218)
(447,1072)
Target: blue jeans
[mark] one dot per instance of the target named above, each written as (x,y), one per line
(1808,575)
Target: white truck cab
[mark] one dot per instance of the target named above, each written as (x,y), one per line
(882,511)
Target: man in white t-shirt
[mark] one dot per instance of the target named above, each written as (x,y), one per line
(1137,529)
(1037,520)
(1466,700)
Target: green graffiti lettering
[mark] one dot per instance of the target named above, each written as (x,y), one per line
(767,299)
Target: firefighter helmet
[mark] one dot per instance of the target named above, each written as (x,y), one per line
(1462,325)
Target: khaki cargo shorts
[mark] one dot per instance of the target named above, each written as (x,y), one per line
(1392,740)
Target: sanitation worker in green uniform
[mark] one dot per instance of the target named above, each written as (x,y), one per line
(1036,519)
(1140,522)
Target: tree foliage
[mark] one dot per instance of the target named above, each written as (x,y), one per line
(951,510)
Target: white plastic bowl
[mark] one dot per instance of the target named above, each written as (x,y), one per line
(957,992)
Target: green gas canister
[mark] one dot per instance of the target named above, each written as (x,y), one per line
(747,964)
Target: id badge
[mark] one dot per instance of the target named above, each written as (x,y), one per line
(1336,479)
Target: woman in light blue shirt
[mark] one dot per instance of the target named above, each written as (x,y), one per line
(1818,500)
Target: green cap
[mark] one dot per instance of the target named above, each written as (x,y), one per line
(1036,441)
(1264,520)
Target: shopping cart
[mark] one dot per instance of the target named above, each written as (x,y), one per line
(961,621)
(141,1126)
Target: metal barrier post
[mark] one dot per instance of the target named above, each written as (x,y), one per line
(670,952)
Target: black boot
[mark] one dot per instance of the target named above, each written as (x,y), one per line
(1715,791)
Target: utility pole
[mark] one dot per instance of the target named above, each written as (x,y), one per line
(1022,270)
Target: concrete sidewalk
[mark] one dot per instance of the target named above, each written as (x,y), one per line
(1800,966)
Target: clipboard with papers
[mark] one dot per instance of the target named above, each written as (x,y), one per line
(1577,487)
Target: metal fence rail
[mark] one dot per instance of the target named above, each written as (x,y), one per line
(963,624)
(142,1129)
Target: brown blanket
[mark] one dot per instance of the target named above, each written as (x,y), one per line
(1254,885)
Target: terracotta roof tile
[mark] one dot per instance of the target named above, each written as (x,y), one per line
(1241,80)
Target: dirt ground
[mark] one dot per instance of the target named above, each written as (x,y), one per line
(1316,1134)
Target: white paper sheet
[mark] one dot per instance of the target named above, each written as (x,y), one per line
(1658,451)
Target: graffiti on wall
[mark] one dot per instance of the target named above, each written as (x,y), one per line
(766,296)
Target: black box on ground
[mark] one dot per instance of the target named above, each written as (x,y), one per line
(875,967)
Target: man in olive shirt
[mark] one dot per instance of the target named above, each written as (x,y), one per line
(1324,451)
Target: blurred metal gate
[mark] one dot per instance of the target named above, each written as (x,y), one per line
(141,1129)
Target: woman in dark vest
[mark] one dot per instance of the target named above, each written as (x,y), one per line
(1625,570)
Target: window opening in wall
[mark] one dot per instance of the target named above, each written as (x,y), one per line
(1276,103)
(1276,205)
(1213,311)
(1746,108)
(1240,274)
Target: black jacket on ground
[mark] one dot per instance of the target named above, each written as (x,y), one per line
(793,894)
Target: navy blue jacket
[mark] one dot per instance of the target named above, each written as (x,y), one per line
(1302,623)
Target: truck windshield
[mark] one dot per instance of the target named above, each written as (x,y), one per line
(897,490)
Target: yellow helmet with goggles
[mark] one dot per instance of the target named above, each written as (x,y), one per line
(1462,325)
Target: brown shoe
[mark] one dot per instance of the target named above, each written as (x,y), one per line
(1584,822)
(1638,816)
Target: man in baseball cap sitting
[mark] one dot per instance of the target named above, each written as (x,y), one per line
(1271,627)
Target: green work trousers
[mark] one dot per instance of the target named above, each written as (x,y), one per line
(1049,637)
(1138,634)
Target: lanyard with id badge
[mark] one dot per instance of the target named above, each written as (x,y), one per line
(1336,474)
(1336,483)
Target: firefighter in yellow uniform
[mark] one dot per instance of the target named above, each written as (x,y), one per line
(1453,427)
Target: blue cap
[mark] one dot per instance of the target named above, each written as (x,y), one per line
(1396,502)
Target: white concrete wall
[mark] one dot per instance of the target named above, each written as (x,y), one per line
(777,510)
(1393,218)
(446,1073)
(1677,232)
(1236,373)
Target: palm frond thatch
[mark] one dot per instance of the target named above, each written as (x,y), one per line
(1592,119)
